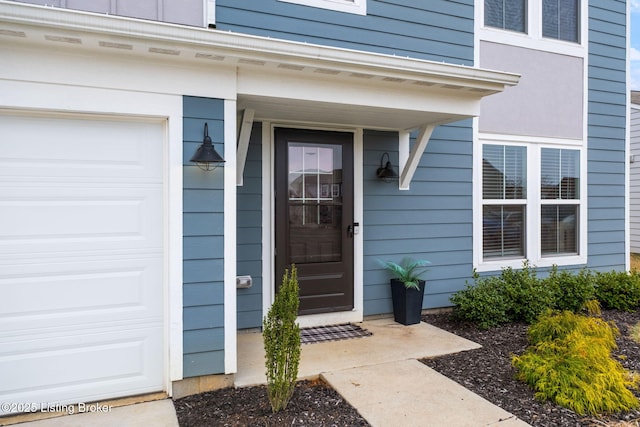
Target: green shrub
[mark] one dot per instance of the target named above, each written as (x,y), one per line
(527,296)
(281,335)
(569,362)
(618,290)
(570,291)
(558,325)
(483,303)
(518,295)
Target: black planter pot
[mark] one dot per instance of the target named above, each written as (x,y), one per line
(407,303)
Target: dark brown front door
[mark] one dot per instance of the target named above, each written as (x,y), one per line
(314,216)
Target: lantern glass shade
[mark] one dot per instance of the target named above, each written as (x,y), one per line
(386,173)
(206,156)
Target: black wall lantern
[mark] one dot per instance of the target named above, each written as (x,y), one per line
(386,172)
(206,157)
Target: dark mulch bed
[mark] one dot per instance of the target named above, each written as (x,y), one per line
(486,371)
(313,404)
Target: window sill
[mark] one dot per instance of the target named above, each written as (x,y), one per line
(516,263)
(358,7)
(528,41)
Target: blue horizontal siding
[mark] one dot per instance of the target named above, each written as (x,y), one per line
(433,220)
(196,247)
(203,243)
(203,224)
(197,364)
(606,134)
(203,316)
(203,340)
(196,294)
(437,30)
(249,231)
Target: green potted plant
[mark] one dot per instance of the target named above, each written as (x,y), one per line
(407,289)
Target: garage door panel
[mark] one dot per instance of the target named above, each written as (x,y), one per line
(79,219)
(94,148)
(64,368)
(81,257)
(80,293)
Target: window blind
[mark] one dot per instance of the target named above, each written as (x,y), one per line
(504,172)
(560,174)
(560,19)
(505,14)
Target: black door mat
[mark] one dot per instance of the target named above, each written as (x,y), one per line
(332,333)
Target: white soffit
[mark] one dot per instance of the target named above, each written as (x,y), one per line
(378,78)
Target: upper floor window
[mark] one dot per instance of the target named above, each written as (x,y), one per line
(538,24)
(358,7)
(506,14)
(560,19)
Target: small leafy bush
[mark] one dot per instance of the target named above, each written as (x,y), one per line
(618,290)
(570,291)
(559,325)
(409,271)
(281,335)
(569,362)
(527,296)
(483,303)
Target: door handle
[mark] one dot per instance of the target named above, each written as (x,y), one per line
(353,229)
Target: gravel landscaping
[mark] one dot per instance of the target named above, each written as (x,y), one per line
(486,371)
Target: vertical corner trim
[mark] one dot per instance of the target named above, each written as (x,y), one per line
(210,13)
(243,144)
(408,167)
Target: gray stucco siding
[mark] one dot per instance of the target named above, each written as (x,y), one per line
(186,12)
(203,243)
(436,30)
(554,106)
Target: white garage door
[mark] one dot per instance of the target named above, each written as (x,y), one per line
(81,258)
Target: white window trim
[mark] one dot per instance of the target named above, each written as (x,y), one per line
(533,249)
(359,7)
(532,37)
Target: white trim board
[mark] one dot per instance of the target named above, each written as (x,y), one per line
(230,239)
(71,99)
(268,227)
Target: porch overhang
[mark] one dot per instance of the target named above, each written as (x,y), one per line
(318,84)
(278,79)
(365,90)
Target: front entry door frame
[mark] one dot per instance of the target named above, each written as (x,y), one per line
(268,226)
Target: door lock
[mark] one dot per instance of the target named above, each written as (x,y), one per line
(353,229)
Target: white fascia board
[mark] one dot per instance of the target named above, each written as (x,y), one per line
(188,43)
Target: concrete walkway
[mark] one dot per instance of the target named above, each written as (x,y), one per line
(379,375)
(159,413)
